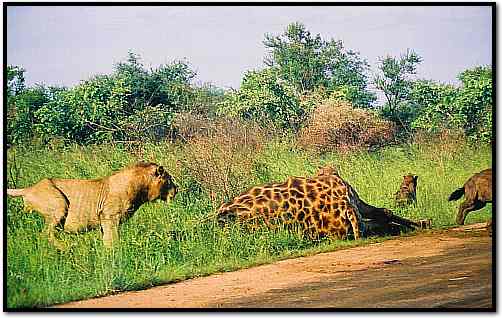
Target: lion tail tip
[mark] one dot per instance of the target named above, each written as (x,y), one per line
(15,192)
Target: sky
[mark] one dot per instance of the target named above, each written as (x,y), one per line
(61,46)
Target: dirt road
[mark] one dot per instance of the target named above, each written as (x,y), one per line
(435,269)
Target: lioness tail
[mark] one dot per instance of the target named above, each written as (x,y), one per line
(457,194)
(15,192)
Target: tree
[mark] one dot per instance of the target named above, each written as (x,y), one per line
(475,102)
(132,103)
(433,105)
(308,62)
(168,85)
(395,83)
(22,104)
(264,97)
(468,107)
(21,112)
(15,80)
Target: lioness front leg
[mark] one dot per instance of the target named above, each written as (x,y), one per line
(110,228)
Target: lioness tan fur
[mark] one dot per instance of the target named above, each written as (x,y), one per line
(477,190)
(407,192)
(85,204)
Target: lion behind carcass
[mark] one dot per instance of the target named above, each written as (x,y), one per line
(78,205)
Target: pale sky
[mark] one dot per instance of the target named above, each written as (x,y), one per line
(60,45)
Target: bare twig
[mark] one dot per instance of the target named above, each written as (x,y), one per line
(90,123)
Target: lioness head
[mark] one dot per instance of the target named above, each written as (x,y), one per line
(410,180)
(161,185)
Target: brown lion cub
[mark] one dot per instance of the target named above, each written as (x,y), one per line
(407,193)
(78,205)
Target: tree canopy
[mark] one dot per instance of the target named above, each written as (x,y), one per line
(301,71)
(308,62)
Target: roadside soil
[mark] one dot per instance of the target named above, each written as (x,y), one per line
(432,269)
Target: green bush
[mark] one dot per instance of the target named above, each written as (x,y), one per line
(265,98)
(475,102)
(87,113)
(469,108)
(21,113)
(130,104)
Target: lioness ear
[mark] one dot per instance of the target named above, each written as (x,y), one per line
(415,177)
(160,171)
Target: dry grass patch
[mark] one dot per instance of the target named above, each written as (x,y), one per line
(338,126)
(222,160)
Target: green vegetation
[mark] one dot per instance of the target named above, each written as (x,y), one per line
(164,243)
(420,104)
(301,70)
(310,63)
(307,107)
(469,107)
(263,96)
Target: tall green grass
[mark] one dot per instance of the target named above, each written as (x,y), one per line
(164,243)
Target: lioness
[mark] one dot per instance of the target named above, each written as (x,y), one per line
(84,204)
(477,190)
(407,192)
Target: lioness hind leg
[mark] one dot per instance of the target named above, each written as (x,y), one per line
(49,202)
(53,218)
(466,207)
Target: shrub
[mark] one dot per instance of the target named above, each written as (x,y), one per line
(446,141)
(131,104)
(89,112)
(221,161)
(469,107)
(264,97)
(204,99)
(475,102)
(189,125)
(152,123)
(21,110)
(336,125)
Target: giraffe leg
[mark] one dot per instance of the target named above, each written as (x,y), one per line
(354,221)
(489,227)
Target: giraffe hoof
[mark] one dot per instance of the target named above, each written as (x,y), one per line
(425,224)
